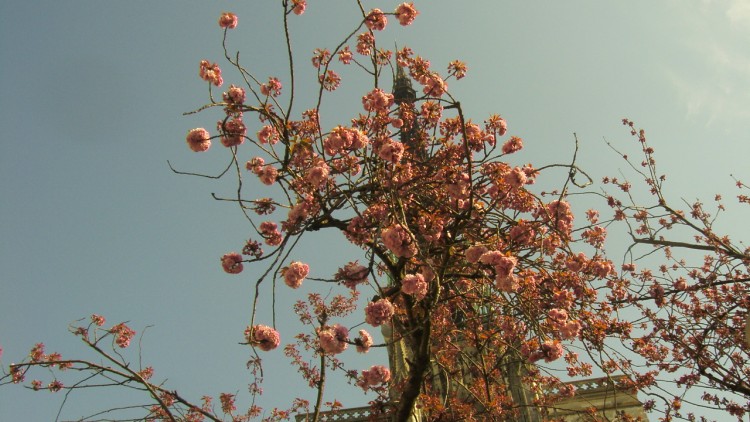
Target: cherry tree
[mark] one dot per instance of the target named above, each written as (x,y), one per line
(490,296)
(693,304)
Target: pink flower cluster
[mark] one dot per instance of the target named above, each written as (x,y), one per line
(232,131)
(333,339)
(365,43)
(235,95)
(352,274)
(298,6)
(198,139)
(398,240)
(434,85)
(98,320)
(414,285)
(228,20)
(295,273)
(363,342)
(123,334)
(270,232)
(473,253)
(263,336)
(560,213)
(330,80)
(268,135)
(210,72)
(227,403)
(343,139)
(391,151)
(377,101)
(497,124)
(550,350)
(512,145)
(406,13)
(345,55)
(522,233)
(266,174)
(378,313)
(376,20)
(321,57)
(376,375)
(502,264)
(232,263)
(271,88)
(515,178)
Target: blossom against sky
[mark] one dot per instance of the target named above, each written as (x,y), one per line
(92,95)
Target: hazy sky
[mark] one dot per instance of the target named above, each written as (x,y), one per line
(91,100)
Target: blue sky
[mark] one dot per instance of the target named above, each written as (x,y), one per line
(91,99)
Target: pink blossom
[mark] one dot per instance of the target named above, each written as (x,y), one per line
(497,124)
(602,269)
(457,68)
(268,134)
(198,139)
(317,174)
(391,151)
(414,285)
(228,20)
(345,55)
(295,273)
(551,350)
(522,233)
(473,253)
(363,342)
(123,334)
(376,375)
(435,85)
(365,43)
(232,132)
(506,265)
(352,274)
(210,72)
(267,175)
(515,178)
(298,6)
(333,340)
(377,101)
(343,139)
(398,240)
(330,80)
(321,57)
(570,329)
(297,214)
(272,88)
(376,20)
(235,95)
(405,12)
(232,263)
(558,315)
(378,313)
(270,233)
(263,336)
(97,320)
(255,164)
(431,112)
(227,403)
(508,284)
(512,145)
(491,258)
(55,386)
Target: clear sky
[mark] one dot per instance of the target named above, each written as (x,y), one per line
(91,99)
